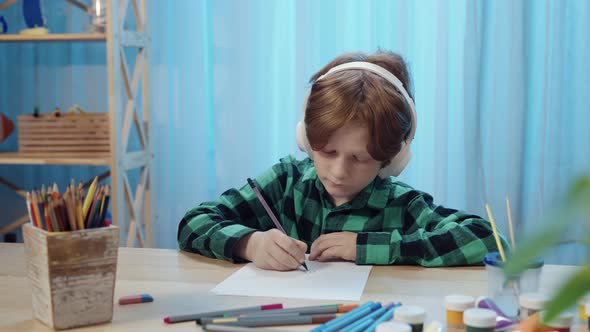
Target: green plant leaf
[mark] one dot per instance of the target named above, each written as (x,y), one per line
(533,248)
(573,290)
(579,195)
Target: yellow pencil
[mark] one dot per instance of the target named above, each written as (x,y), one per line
(496,236)
(89,198)
(510,223)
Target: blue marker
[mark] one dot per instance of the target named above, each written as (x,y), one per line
(352,312)
(335,324)
(361,324)
(387,316)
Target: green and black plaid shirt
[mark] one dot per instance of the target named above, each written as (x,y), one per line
(395,223)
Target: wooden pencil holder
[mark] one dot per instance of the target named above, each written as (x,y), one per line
(69,133)
(72,275)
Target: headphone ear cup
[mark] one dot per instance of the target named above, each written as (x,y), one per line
(398,163)
(301,138)
(300,132)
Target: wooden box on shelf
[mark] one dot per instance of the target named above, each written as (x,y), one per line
(72,275)
(68,133)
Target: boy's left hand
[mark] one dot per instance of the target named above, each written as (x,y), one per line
(339,245)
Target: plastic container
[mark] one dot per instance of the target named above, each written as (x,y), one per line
(531,303)
(455,305)
(479,320)
(504,290)
(582,305)
(393,326)
(411,315)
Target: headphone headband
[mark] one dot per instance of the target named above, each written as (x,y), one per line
(386,74)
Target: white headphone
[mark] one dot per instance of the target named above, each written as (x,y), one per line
(401,159)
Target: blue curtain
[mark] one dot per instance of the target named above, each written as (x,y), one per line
(500,93)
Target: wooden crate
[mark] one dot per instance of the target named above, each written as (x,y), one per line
(69,133)
(72,275)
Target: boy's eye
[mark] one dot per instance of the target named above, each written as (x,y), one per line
(329,152)
(361,159)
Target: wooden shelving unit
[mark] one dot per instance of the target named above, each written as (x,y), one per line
(89,159)
(131,208)
(66,37)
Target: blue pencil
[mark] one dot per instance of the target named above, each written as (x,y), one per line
(386,316)
(371,317)
(337,324)
(319,328)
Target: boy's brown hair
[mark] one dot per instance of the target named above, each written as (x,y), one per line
(364,97)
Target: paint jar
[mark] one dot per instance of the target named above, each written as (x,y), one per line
(393,326)
(588,314)
(561,323)
(582,305)
(531,303)
(479,320)
(455,305)
(412,315)
(504,290)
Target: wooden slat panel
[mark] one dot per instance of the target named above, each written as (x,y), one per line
(66,142)
(70,133)
(72,149)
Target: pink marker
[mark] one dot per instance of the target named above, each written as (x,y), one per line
(131,299)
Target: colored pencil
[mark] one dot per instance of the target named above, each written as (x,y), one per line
(320,309)
(103,214)
(89,198)
(70,209)
(88,216)
(32,217)
(231,328)
(219,313)
(269,211)
(279,320)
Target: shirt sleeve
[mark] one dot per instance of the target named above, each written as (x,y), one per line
(431,236)
(214,228)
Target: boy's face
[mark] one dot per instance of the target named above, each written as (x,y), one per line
(344,166)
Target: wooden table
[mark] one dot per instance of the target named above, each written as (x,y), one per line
(181,283)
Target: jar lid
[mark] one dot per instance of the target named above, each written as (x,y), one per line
(478,317)
(535,301)
(392,326)
(411,314)
(459,302)
(494,259)
(564,320)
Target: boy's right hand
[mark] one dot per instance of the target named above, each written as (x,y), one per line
(272,250)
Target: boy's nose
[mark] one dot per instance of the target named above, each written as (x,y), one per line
(339,170)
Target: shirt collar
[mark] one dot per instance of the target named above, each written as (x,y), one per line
(375,195)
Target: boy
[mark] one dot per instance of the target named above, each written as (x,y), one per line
(341,203)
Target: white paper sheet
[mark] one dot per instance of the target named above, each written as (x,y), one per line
(326,281)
